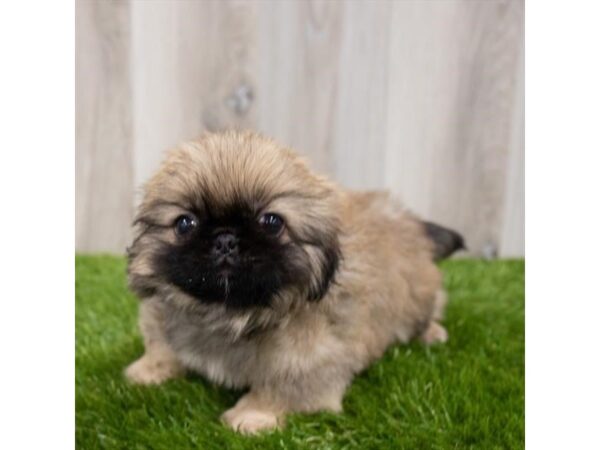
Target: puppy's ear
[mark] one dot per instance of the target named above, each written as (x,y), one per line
(140,271)
(328,267)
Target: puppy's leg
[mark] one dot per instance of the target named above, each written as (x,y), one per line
(262,410)
(159,362)
(436,333)
(254,412)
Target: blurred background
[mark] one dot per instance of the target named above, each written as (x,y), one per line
(424,98)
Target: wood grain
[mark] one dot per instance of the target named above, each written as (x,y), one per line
(297,75)
(422,98)
(512,240)
(452,92)
(360,122)
(103,132)
(190,73)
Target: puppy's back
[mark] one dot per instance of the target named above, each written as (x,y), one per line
(388,263)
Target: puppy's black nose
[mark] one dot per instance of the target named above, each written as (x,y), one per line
(225,244)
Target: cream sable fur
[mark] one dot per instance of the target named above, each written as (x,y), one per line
(318,281)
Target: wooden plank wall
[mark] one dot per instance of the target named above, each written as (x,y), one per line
(104,182)
(424,98)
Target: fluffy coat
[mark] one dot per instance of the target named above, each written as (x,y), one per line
(361,276)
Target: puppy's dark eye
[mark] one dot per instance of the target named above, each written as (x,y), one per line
(185,224)
(271,223)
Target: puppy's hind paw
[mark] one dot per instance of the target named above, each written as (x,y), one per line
(434,334)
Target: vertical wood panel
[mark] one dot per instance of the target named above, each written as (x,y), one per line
(450,111)
(512,243)
(360,122)
(422,98)
(425,48)
(190,73)
(297,72)
(103,132)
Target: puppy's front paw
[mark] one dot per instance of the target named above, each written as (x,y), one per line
(148,370)
(250,421)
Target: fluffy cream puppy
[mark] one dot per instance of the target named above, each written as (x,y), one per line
(255,272)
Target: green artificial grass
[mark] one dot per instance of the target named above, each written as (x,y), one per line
(468,393)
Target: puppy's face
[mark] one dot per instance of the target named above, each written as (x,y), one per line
(236,220)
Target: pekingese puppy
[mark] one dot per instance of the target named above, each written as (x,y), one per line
(255,272)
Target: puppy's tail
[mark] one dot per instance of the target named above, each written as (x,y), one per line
(445,241)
